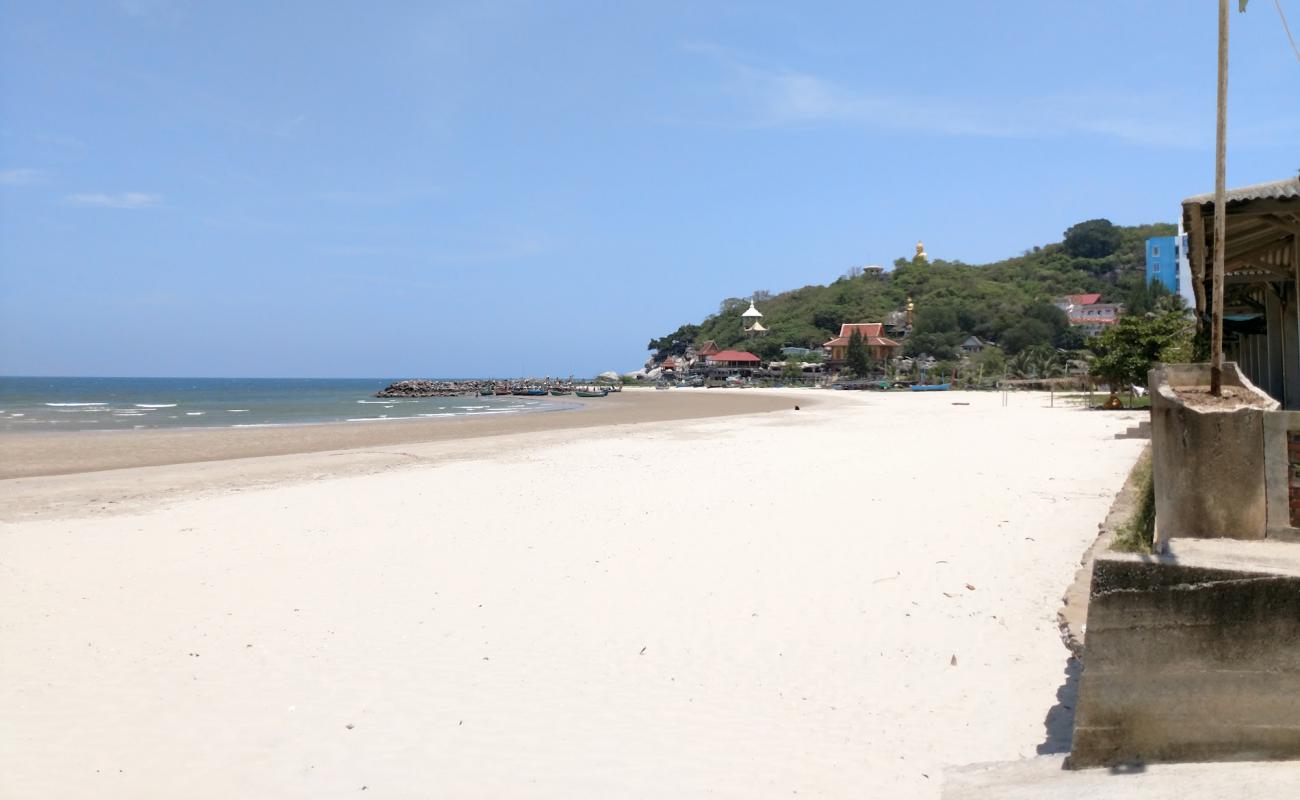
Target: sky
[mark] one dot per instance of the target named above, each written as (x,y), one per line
(416,189)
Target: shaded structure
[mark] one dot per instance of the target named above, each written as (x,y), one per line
(1261,307)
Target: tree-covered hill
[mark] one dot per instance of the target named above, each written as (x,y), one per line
(1005,302)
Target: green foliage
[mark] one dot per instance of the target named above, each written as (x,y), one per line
(1096,238)
(953,300)
(1137,532)
(1126,351)
(989,363)
(675,343)
(856,354)
(1039,361)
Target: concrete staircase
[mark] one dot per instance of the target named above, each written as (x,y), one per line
(1046,777)
(1142,430)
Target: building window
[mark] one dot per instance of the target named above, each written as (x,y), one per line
(1155,251)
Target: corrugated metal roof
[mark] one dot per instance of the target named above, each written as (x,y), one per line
(1287,188)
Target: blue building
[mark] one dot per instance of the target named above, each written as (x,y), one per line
(1163,261)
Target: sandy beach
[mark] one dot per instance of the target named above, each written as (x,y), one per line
(838,601)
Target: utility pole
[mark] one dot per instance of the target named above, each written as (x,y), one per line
(1220,212)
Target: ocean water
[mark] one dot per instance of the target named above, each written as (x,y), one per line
(85,404)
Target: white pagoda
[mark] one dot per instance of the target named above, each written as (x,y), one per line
(752,320)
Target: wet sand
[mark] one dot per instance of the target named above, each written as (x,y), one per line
(32,454)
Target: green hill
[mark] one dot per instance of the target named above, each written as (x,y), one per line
(1005,302)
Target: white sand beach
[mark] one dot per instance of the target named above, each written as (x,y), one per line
(838,601)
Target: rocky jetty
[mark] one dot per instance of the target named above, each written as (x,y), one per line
(422,388)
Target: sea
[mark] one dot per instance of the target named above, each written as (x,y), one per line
(112,404)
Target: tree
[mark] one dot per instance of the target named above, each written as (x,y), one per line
(857,355)
(1096,238)
(675,343)
(1125,352)
(1039,361)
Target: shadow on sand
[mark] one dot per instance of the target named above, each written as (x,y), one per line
(1058,726)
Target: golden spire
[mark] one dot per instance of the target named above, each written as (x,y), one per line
(920,252)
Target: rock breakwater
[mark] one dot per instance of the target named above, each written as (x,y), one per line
(424,388)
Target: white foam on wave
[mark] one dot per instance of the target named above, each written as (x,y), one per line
(195,413)
(17,415)
(155,405)
(237,410)
(384,418)
(61,405)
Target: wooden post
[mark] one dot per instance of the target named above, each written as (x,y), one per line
(1199,239)
(1220,212)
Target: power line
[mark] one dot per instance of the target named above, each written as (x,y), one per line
(1287,28)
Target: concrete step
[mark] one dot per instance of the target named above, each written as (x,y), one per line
(1046,777)
(1142,430)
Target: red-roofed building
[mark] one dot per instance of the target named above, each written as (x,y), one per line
(732,358)
(708,348)
(1078,299)
(669,363)
(878,345)
(1087,313)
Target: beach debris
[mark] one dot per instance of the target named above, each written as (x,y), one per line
(887,578)
(349,726)
(642,651)
(953,661)
(796,408)
(971,587)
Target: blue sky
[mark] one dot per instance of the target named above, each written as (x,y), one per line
(418,189)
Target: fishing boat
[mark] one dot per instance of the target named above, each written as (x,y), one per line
(560,391)
(486,391)
(502,391)
(931,387)
(591,392)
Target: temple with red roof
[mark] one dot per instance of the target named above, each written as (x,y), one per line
(878,345)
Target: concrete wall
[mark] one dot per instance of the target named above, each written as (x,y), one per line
(1208,465)
(1282,473)
(1190,662)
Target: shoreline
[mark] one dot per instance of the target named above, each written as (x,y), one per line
(54,453)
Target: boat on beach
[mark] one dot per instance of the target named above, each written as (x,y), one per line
(591,392)
(560,391)
(931,387)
